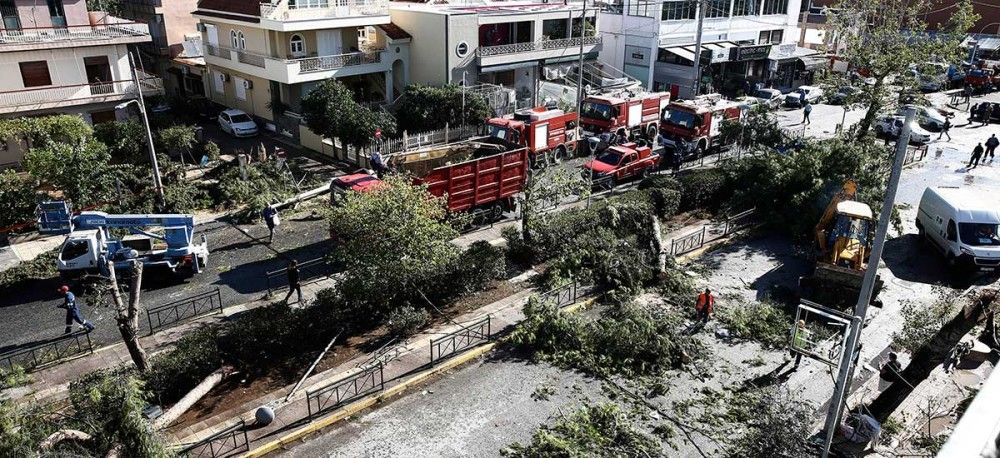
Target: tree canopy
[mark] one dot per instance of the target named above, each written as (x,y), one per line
(330,110)
(424,108)
(882,39)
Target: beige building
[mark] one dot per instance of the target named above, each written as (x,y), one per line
(171,53)
(263,58)
(61,58)
(514,44)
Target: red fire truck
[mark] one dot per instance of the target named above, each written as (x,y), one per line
(549,134)
(694,126)
(629,115)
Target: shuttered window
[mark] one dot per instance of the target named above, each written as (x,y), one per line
(35,73)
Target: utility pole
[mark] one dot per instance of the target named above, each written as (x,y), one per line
(579,92)
(702,4)
(846,368)
(157,181)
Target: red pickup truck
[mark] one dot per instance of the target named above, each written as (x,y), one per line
(620,163)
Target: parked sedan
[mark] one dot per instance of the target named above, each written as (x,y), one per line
(237,123)
(769,97)
(927,117)
(978,110)
(890,126)
(812,95)
(842,95)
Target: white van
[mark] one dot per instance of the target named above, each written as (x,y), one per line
(963,224)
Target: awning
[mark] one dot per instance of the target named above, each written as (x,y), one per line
(814,62)
(505,67)
(686,52)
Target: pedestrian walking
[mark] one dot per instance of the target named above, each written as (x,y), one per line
(705,307)
(987,113)
(72,311)
(271,219)
(806,110)
(800,339)
(945,128)
(977,152)
(968,94)
(293,280)
(378,163)
(676,159)
(991,146)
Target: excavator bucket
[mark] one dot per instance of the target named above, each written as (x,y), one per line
(54,218)
(836,287)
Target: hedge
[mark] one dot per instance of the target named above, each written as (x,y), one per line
(174,373)
(703,189)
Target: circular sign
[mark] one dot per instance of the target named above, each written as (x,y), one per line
(462,49)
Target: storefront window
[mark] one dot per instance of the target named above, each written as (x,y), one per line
(676,11)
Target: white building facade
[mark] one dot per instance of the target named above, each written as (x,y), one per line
(744,42)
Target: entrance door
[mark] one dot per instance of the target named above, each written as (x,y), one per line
(99,75)
(329,43)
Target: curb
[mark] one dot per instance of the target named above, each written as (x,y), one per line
(364,403)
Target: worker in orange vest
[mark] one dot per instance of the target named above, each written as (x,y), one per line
(705,305)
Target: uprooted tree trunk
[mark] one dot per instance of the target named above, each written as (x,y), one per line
(189,399)
(127,315)
(656,238)
(61,436)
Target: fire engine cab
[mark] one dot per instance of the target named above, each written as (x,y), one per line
(549,133)
(627,114)
(694,126)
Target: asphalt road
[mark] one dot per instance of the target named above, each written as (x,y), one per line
(237,264)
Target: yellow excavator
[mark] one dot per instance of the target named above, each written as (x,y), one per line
(844,241)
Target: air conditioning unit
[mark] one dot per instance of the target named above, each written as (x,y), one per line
(201,27)
(247,84)
(226,77)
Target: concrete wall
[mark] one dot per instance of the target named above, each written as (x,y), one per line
(65,65)
(280,42)
(256,99)
(35,13)
(256,39)
(178,21)
(429,61)
(462,28)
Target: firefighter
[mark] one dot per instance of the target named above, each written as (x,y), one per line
(705,306)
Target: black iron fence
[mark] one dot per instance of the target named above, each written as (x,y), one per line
(914,154)
(229,442)
(740,221)
(563,295)
(467,336)
(37,355)
(368,380)
(167,315)
(308,270)
(689,242)
(699,237)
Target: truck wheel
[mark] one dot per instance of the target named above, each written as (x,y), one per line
(646,172)
(651,132)
(701,150)
(559,155)
(496,212)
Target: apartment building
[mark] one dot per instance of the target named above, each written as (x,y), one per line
(264,57)
(170,54)
(743,42)
(511,44)
(62,58)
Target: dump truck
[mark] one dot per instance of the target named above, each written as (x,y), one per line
(550,134)
(620,163)
(843,244)
(694,127)
(476,175)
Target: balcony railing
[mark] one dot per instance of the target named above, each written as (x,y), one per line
(33,35)
(540,45)
(79,92)
(251,59)
(280,10)
(323,63)
(218,51)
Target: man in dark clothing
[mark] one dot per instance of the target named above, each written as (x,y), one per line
(977,152)
(968,94)
(293,281)
(987,113)
(72,311)
(991,146)
(806,111)
(945,128)
(270,215)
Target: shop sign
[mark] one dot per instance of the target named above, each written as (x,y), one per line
(744,53)
(715,55)
(635,55)
(783,51)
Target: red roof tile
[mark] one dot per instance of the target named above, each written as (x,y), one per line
(245,7)
(394,31)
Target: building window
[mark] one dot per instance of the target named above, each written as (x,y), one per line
(771,36)
(233,40)
(717,8)
(35,73)
(297,45)
(676,11)
(243,41)
(640,8)
(745,7)
(775,7)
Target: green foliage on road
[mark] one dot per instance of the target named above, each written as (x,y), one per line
(330,110)
(602,430)
(108,405)
(266,184)
(883,38)
(394,241)
(424,108)
(921,323)
(756,128)
(665,192)
(41,268)
(23,426)
(630,340)
(17,199)
(765,322)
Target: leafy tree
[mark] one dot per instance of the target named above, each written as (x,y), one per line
(884,38)
(126,141)
(602,430)
(545,189)
(17,199)
(393,240)
(330,110)
(22,427)
(178,138)
(756,128)
(45,131)
(80,171)
(109,404)
(424,108)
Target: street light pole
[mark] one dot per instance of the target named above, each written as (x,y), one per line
(464,72)
(846,368)
(697,47)
(579,95)
(157,181)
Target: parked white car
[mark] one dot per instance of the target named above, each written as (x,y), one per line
(769,97)
(812,95)
(237,123)
(963,225)
(927,117)
(890,126)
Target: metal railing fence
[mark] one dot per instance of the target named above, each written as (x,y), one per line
(167,315)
